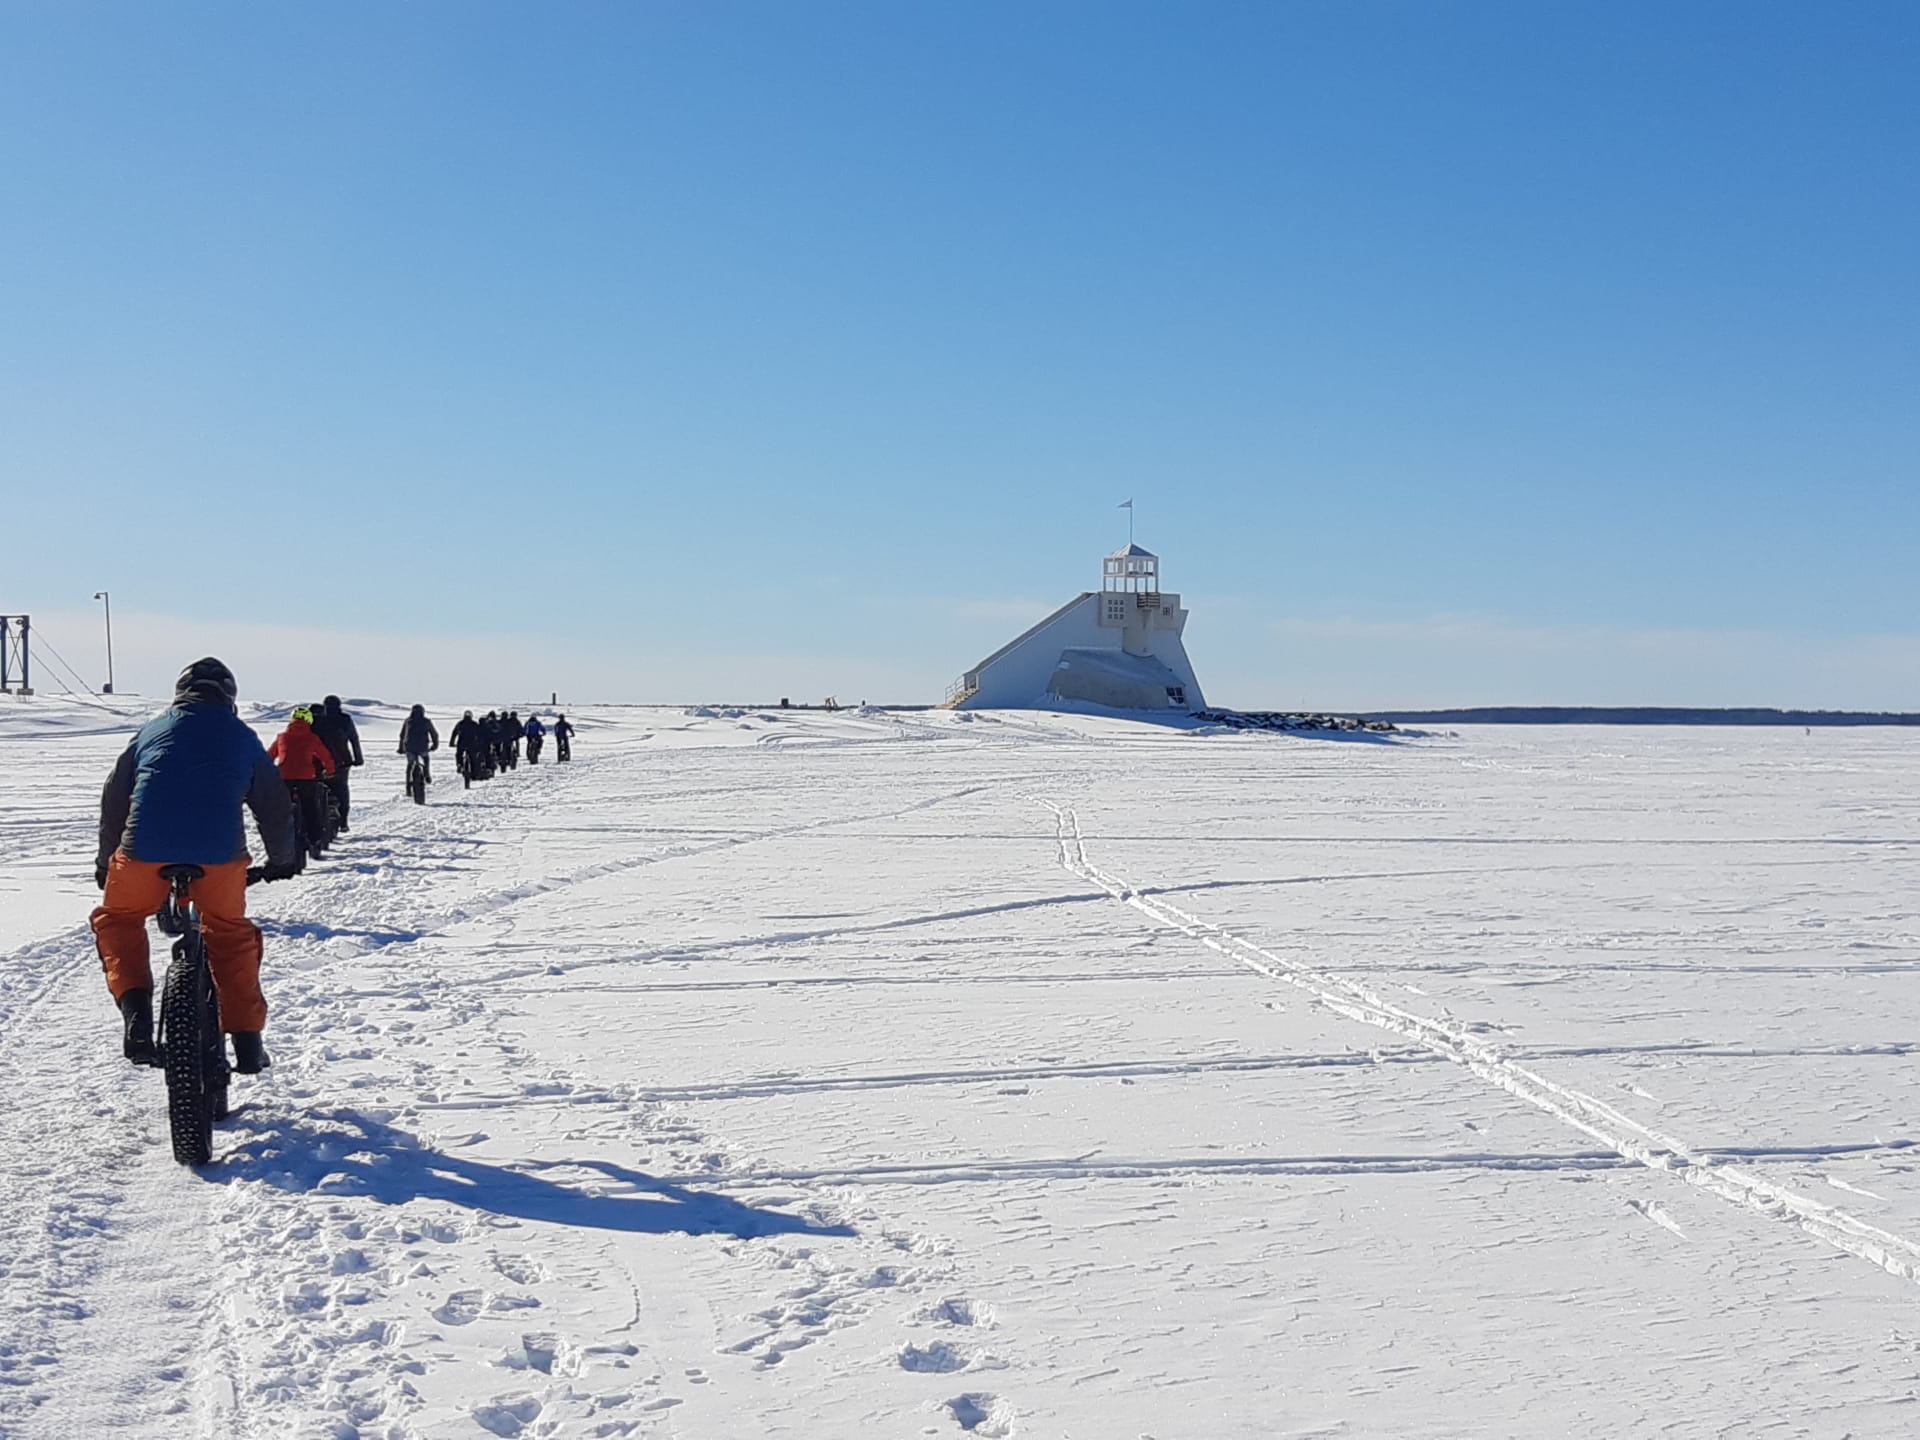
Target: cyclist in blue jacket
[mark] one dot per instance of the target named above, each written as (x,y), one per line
(174,798)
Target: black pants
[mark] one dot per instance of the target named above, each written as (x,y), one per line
(563,747)
(309,815)
(337,782)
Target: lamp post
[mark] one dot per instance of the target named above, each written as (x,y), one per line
(103,595)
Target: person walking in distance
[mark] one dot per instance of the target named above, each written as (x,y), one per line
(562,740)
(341,736)
(175,798)
(305,763)
(418,737)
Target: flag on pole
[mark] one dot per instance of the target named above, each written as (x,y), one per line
(1124,505)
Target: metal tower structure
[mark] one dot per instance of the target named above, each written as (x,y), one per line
(16,654)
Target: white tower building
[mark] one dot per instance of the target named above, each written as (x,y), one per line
(1119,647)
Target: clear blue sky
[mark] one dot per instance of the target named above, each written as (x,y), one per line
(1455,353)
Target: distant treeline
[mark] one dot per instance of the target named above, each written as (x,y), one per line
(1635,715)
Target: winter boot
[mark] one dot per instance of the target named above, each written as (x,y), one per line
(249,1052)
(136,1013)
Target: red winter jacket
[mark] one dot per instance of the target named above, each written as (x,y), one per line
(299,751)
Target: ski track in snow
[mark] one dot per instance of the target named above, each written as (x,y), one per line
(1629,1138)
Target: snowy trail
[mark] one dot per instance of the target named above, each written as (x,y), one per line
(1595,1118)
(769,1075)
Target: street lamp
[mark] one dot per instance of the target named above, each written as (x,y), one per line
(108,598)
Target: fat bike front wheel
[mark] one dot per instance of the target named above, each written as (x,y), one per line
(186,1018)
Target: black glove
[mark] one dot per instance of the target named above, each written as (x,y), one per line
(273,870)
(100,876)
(358,761)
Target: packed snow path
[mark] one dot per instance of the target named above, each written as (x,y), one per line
(803,1075)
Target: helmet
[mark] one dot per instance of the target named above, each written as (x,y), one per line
(206,679)
(302,714)
(332,702)
(468,715)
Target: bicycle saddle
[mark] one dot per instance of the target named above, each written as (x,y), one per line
(189,873)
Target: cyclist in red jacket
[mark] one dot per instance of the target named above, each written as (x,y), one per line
(305,764)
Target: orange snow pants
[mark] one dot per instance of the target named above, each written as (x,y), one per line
(135,891)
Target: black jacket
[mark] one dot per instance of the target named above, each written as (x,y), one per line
(465,734)
(417,735)
(339,734)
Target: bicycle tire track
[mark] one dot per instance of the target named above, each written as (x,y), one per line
(337,887)
(1653,1149)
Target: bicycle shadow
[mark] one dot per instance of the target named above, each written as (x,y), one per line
(343,1152)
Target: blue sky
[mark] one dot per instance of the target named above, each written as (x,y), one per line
(1454,353)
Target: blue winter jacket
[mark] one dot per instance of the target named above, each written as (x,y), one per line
(176,794)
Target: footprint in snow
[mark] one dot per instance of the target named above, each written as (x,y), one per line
(938,1358)
(463,1307)
(521,1269)
(508,1414)
(957,1311)
(982,1414)
(545,1352)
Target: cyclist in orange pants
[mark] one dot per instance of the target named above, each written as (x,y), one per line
(174,798)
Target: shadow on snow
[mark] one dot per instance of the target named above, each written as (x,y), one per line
(343,1152)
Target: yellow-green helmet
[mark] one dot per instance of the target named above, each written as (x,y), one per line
(301,712)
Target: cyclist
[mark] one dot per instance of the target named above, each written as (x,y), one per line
(562,739)
(510,738)
(335,726)
(305,764)
(174,798)
(417,737)
(465,737)
(536,734)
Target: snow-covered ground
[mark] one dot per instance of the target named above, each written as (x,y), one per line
(914,1074)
